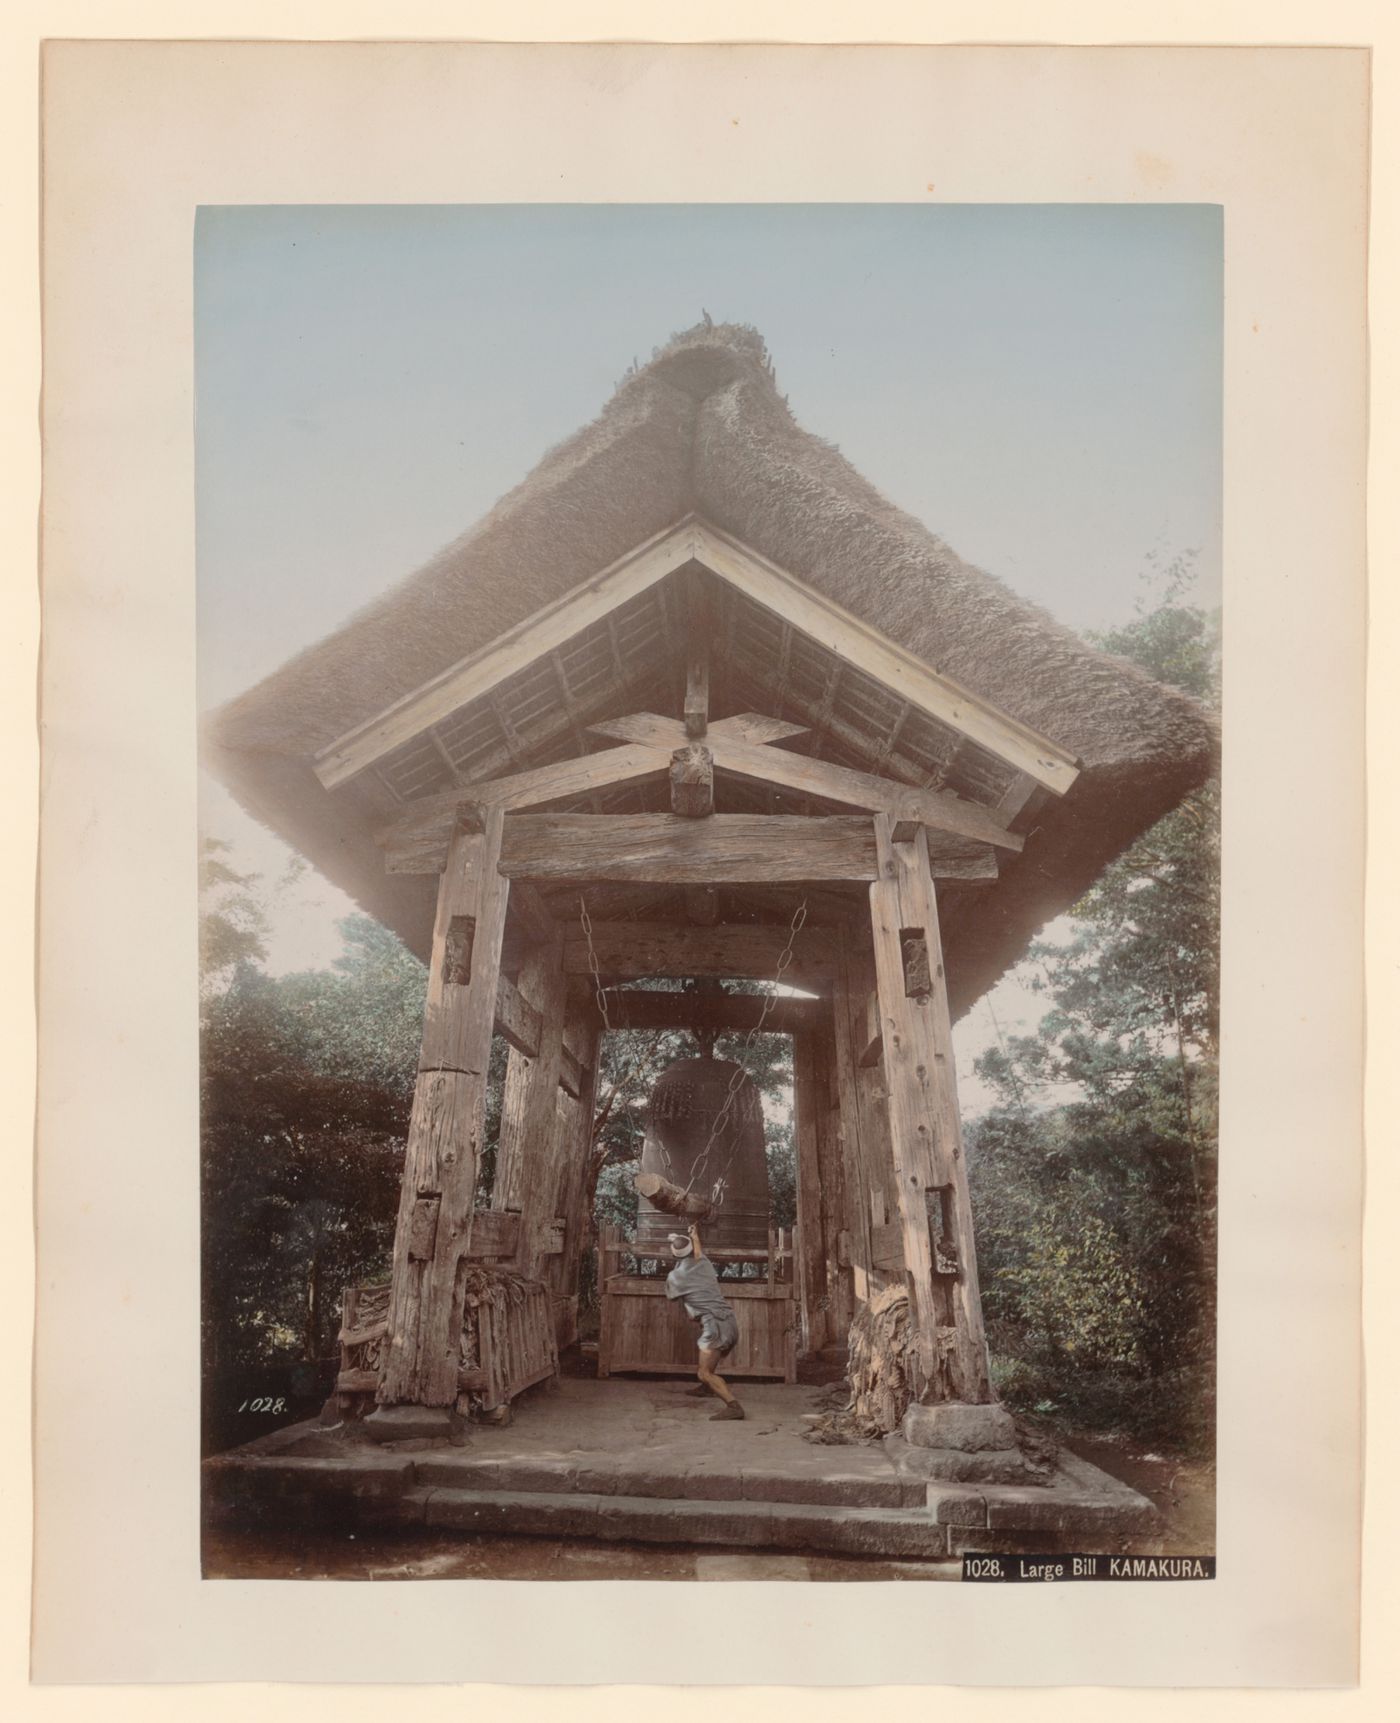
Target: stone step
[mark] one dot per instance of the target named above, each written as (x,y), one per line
(894,1532)
(597,1475)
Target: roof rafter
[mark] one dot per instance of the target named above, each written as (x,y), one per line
(852,642)
(476,675)
(900,671)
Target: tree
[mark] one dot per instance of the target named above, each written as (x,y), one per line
(306,1082)
(1097,1216)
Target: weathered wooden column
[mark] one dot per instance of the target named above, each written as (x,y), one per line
(840,1299)
(575,1146)
(529,1120)
(541,985)
(864,1127)
(809,1102)
(422,1350)
(935,1213)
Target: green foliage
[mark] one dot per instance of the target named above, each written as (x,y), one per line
(233,922)
(305,1087)
(1096,1215)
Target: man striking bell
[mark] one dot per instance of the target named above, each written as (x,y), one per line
(693,1280)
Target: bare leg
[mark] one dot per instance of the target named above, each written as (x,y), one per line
(708,1373)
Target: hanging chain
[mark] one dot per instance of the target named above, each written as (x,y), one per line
(600,993)
(736,1082)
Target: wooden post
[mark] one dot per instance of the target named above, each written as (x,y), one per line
(541,969)
(809,1097)
(609,1248)
(840,1299)
(576,1144)
(445,1128)
(530,1135)
(935,1214)
(864,1129)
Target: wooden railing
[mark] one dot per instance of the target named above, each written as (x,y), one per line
(508,1322)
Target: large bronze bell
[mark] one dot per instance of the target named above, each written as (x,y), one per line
(687,1099)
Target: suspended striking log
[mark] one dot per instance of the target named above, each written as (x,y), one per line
(671,1199)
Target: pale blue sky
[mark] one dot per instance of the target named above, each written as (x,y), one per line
(1040,384)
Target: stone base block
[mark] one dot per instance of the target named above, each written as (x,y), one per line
(952,1424)
(954,1465)
(1080,1508)
(409,1423)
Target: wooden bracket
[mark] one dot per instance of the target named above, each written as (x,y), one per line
(693,782)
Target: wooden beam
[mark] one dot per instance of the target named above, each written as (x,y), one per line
(865,648)
(940,810)
(858,741)
(609,902)
(663,849)
(697,657)
(516,1019)
(481,671)
(702,905)
(573,1074)
(744,951)
(531,911)
(428,822)
(692,782)
(636,1008)
(824,903)
(652,730)
(1017,796)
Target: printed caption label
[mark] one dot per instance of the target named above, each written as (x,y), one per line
(1054,1569)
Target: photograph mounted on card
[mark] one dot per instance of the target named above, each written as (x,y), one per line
(699,842)
(672,744)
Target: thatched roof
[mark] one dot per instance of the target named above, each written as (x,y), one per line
(703,429)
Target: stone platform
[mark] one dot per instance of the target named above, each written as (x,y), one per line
(641,1461)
